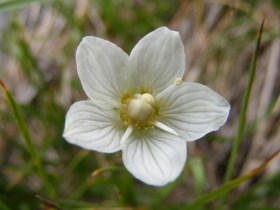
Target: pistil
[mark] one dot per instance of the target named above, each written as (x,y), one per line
(139,109)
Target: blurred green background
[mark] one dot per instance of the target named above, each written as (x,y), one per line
(38,40)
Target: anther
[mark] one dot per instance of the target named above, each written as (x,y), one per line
(178,81)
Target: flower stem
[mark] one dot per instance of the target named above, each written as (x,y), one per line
(27,138)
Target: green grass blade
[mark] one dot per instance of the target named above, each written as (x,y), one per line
(242,116)
(164,191)
(198,173)
(48,203)
(26,136)
(226,187)
(90,180)
(75,162)
(80,190)
(245,101)
(17,4)
(4,206)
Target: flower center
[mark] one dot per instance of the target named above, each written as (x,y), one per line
(139,109)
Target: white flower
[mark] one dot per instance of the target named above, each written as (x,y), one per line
(139,104)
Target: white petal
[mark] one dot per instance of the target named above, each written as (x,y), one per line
(193,110)
(102,68)
(157,60)
(153,156)
(164,127)
(93,128)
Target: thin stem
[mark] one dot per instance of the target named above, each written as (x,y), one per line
(242,116)
(27,138)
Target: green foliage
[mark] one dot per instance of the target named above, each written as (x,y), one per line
(276,4)
(42,53)
(17,4)
(131,20)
